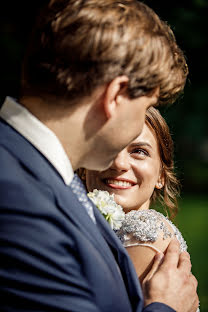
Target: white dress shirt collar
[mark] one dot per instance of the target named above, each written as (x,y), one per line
(39,135)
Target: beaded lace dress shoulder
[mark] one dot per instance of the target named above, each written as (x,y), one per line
(142,227)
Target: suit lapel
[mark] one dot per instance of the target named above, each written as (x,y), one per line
(126,266)
(82,220)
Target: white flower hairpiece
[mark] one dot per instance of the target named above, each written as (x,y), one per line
(112,212)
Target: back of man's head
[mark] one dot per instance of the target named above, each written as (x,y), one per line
(78,45)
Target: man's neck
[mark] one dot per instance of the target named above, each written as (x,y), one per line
(76,124)
(65,122)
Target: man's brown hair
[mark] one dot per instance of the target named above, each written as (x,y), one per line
(78,45)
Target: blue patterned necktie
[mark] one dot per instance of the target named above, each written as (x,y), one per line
(79,190)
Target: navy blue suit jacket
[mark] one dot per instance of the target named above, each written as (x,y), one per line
(52,256)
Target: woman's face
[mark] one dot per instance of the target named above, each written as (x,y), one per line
(134,174)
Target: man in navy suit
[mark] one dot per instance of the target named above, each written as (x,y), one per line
(91,70)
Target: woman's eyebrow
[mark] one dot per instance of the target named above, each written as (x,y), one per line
(139,144)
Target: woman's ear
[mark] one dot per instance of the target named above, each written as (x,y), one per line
(161,181)
(159,185)
(113,90)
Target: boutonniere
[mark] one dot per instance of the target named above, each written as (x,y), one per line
(112,212)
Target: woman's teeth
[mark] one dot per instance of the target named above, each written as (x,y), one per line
(119,183)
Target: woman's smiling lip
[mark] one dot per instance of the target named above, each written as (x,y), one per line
(118,183)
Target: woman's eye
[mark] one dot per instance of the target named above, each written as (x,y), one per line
(140,151)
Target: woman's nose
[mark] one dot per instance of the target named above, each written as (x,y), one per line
(121,162)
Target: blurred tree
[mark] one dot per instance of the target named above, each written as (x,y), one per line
(16,20)
(188,116)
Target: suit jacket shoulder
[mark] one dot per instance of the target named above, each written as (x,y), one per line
(52,256)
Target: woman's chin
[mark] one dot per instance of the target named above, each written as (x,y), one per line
(123,202)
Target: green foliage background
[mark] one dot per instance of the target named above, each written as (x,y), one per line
(187,118)
(188,121)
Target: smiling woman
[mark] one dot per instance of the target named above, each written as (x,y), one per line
(142,173)
(133,174)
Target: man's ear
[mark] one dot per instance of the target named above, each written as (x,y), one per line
(113,90)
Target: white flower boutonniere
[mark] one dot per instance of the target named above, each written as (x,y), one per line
(112,212)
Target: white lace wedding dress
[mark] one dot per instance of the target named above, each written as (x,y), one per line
(144,227)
